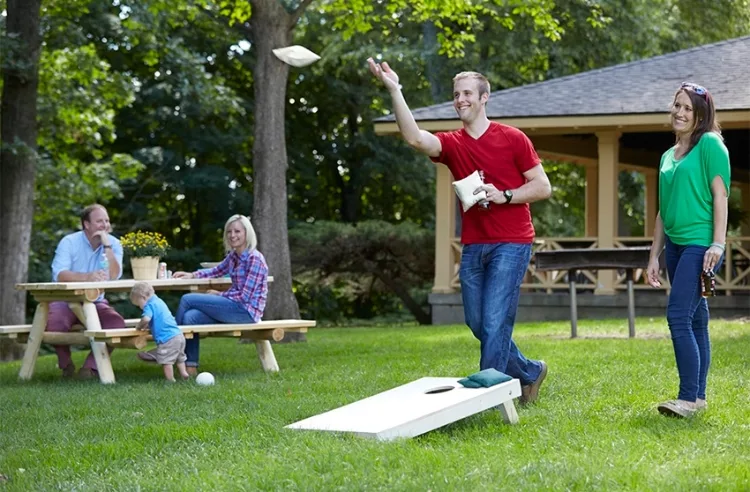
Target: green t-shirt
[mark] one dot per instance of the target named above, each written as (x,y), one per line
(686,203)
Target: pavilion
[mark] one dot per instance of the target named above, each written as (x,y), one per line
(607,120)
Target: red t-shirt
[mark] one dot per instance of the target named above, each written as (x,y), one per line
(504,153)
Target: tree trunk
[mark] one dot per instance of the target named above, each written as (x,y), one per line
(272,28)
(18,134)
(351,191)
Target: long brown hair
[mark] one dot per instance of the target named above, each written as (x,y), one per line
(704,113)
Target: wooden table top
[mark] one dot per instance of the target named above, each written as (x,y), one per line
(123,285)
(127,284)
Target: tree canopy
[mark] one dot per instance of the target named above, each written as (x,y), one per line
(176,114)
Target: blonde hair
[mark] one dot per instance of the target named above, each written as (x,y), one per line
(483,85)
(142,289)
(251,240)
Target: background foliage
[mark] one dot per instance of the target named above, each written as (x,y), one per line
(148,107)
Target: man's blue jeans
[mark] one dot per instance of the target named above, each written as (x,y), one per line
(491,277)
(687,316)
(207,309)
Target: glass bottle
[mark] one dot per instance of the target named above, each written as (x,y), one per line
(708,283)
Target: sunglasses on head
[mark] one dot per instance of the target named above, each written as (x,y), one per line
(698,89)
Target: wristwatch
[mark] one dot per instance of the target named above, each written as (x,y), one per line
(107,246)
(508,196)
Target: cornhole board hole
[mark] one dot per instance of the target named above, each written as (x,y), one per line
(415,408)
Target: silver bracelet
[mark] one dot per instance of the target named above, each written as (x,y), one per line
(718,245)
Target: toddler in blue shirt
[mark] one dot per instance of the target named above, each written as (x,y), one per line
(170,342)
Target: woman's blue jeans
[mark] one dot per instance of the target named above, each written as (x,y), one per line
(687,316)
(207,309)
(491,277)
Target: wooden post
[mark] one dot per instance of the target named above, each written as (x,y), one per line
(573,304)
(631,303)
(745,227)
(609,150)
(35,341)
(652,202)
(77,309)
(266,357)
(132,342)
(276,334)
(508,410)
(445,225)
(99,349)
(592,200)
(92,294)
(54,338)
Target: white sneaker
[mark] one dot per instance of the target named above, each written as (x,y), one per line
(678,408)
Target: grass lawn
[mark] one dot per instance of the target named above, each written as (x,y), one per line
(595,426)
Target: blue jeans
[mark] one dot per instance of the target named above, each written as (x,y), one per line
(207,309)
(687,316)
(491,277)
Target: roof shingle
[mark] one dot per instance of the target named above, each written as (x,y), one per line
(644,86)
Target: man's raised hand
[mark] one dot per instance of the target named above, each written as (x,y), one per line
(103,237)
(383,72)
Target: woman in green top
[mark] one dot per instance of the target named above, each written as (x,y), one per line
(694,178)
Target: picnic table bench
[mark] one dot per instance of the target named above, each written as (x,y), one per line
(20,333)
(574,260)
(80,296)
(261,333)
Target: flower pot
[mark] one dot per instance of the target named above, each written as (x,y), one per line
(145,268)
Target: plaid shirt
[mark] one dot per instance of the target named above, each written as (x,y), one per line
(249,274)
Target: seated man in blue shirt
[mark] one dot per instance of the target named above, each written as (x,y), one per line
(89,255)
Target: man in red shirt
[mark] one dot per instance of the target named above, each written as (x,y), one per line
(496,240)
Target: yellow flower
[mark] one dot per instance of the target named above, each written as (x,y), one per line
(144,243)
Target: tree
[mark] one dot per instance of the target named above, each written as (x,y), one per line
(272,27)
(21,47)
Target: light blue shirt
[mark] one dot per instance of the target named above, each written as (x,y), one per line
(75,254)
(163,325)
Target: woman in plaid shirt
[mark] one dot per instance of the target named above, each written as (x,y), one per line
(245,300)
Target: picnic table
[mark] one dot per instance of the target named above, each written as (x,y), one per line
(573,260)
(80,296)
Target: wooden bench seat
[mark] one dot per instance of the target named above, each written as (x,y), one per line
(261,333)
(20,333)
(13,331)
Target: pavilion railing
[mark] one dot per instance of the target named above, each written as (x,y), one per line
(733,276)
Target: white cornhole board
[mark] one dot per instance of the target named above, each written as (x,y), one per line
(410,410)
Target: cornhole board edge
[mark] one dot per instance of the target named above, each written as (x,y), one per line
(485,399)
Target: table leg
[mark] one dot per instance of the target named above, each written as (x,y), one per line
(77,309)
(35,341)
(573,304)
(508,410)
(631,303)
(99,349)
(265,354)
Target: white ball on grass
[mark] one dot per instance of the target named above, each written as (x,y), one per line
(205,379)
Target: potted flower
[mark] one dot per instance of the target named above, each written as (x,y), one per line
(144,250)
